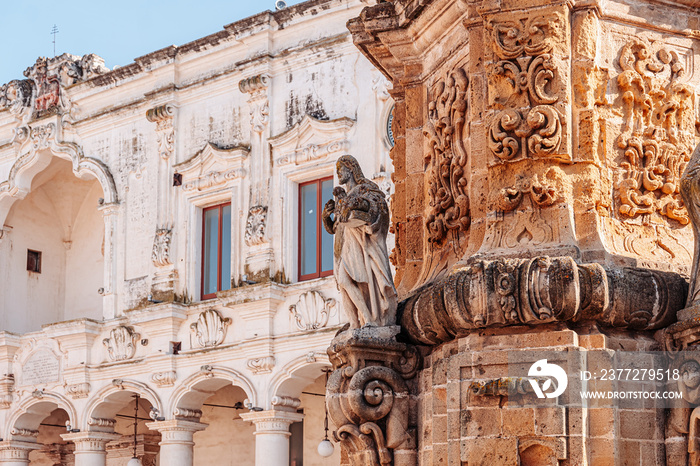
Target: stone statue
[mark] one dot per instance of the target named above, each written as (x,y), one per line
(359,219)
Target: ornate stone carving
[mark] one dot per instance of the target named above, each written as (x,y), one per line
(210,328)
(447,157)
(659,131)
(540,192)
(164,379)
(524,91)
(285,402)
(359,218)
(163,115)
(16,95)
(256,86)
(541,290)
(24,432)
(121,343)
(100,422)
(370,403)
(213,178)
(78,390)
(7,386)
(255,225)
(187,413)
(161,247)
(262,365)
(311,310)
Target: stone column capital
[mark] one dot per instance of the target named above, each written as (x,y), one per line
(90,441)
(176,431)
(16,451)
(272,421)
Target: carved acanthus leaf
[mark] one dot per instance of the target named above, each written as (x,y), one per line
(161,247)
(255,225)
(121,343)
(210,328)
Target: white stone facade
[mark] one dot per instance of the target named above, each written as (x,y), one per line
(104,176)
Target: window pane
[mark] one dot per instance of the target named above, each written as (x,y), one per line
(210,254)
(226,247)
(308,228)
(326,238)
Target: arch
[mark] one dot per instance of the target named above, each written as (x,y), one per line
(33,410)
(39,145)
(297,374)
(196,388)
(110,399)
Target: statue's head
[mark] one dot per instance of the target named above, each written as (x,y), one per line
(347,166)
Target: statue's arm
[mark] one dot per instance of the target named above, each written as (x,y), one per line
(328,221)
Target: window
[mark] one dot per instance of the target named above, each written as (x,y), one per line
(315,244)
(216,250)
(34,261)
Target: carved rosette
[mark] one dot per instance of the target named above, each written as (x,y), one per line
(121,343)
(162,116)
(659,131)
(210,328)
(370,403)
(161,247)
(255,225)
(311,310)
(524,85)
(262,365)
(447,157)
(538,291)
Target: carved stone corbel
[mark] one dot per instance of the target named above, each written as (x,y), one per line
(164,379)
(369,396)
(262,365)
(78,390)
(162,116)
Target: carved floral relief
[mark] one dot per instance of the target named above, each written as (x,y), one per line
(447,157)
(255,225)
(161,247)
(524,86)
(658,133)
(210,328)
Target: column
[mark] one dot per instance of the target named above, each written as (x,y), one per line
(109,296)
(90,447)
(272,435)
(16,453)
(176,444)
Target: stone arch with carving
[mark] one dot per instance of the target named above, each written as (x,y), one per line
(107,402)
(196,388)
(294,376)
(33,410)
(38,146)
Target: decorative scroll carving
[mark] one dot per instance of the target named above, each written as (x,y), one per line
(262,365)
(7,386)
(359,218)
(541,290)
(78,390)
(285,402)
(164,379)
(101,422)
(255,225)
(369,403)
(16,95)
(24,432)
(256,86)
(187,413)
(161,247)
(311,310)
(523,83)
(165,133)
(212,179)
(541,193)
(659,131)
(121,343)
(210,328)
(447,157)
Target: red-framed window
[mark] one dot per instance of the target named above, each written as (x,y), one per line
(216,249)
(315,244)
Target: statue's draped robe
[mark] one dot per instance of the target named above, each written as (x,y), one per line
(362,263)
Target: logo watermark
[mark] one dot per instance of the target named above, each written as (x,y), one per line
(542,369)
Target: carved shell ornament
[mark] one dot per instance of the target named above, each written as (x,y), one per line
(210,328)
(311,311)
(121,343)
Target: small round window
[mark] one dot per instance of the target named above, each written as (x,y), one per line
(389,128)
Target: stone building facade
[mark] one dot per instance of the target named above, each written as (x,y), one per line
(538,213)
(160,236)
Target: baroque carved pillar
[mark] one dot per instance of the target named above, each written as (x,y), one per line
(177,444)
(90,447)
(259,261)
(272,435)
(165,279)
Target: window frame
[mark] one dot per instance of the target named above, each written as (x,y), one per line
(319,230)
(220,223)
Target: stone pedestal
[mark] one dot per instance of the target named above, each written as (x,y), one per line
(176,445)
(272,435)
(369,396)
(90,447)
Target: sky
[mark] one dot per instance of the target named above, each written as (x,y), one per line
(118,31)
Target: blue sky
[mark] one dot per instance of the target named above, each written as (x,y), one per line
(116,31)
